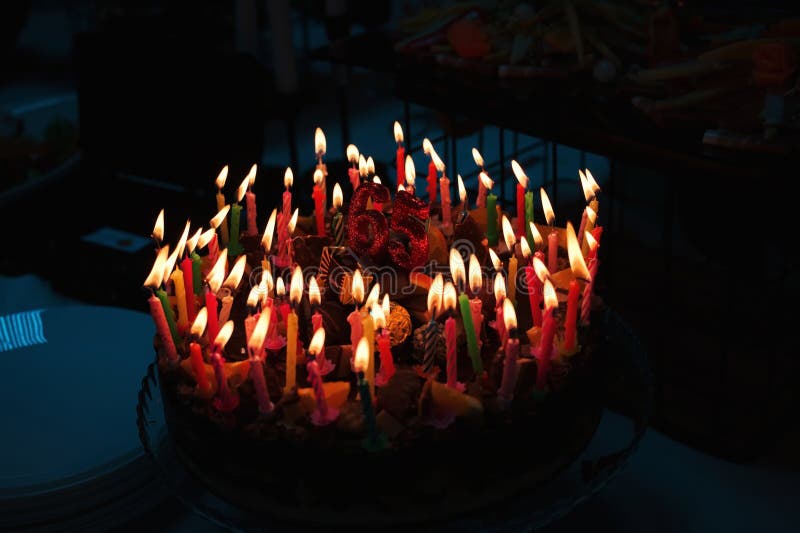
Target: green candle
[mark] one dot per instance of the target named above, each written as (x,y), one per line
(234,248)
(529,219)
(197,274)
(491,219)
(472,338)
(375,440)
(170,314)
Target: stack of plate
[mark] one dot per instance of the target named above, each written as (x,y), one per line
(70,456)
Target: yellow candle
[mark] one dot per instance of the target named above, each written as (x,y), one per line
(291,349)
(512,279)
(180,297)
(368,331)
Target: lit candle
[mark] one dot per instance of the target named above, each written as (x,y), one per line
(384,343)
(552,238)
(315,298)
(226,400)
(234,247)
(511,348)
(266,240)
(529,215)
(580,271)
(499,297)
(354,318)
(522,186)
(323,414)
(377,205)
(280,290)
(401,154)
(444,186)
(319,202)
(290,229)
(229,287)
(368,330)
(158,230)
(459,277)
(319,149)
(588,194)
(196,268)
(531,282)
(410,175)
(450,337)
(591,219)
(475,303)
(435,293)
(427,148)
(250,196)
(374,440)
(540,273)
(220,182)
(286,214)
(253,313)
(295,293)
(337,222)
(255,346)
(548,333)
(268,304)
(178,285)
(462,194)
(196,354)
(216,222)
(157,312)
(538,242)
(511,241)
(588,290)
(187,276)
(352,172)
(491,209)
(478,158)
(213,283)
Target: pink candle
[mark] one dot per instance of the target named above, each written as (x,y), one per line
(199,368)
(316,323)
(481,202)
(385,352)
(401,166)
(213,317)
(552,252)
(571,320)
(252,229)
(269,307)
(323,414)
(213,249)
(450,344)
(545,348)
(188,283)
(225,400)
(499,323)
(355,177)
(249,326)
(521,229)
(588,290)
(534,295)
(162,328)
(510,369)
(319,208)
(444,185)
(431,182)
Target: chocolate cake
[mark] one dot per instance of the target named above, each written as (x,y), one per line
(430,432)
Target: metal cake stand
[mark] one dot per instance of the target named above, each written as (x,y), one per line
(625,387)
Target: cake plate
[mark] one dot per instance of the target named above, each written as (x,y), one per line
(626,389)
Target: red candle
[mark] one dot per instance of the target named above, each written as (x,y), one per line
(352,172)
(319,202)
(213,316)
(570,325)
(432,179)
(552,252)
(226,400)
(199,368)
(522,185)
(255,347)
(401,155)
(500,296)
(250,198)
(534,295)
(548,333)
(213,249)
(385,353)
(188,283)
(162,328)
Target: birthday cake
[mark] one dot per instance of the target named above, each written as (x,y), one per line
(372,365)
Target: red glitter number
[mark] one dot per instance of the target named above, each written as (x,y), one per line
(408,216)
(361,222)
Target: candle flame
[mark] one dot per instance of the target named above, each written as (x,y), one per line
(191,244)
(386,305)
(398,132)
(224,335)
(462,191)
(205,238)
(576,262)
(217,273)
(296,286)
(540,269)
(476,155)
(236,273)
(182,241)
(401,187)
(269,231)
(435,294)
(499,287)
(158,228)
(590,240)
(591,215)
(256,342)
(362,166)
(538,241)
(242,189)
(449,296)
(267,282)
(508,234)
(509,315)
(475,274)
(318,177)
(251,176)
(378,316)
(357,287)
(437,161)
(317,342)
(495,260)
(457,266)
(547,207)
(220,216)
(550,298)
(377,179)
(372,297)
(370,165)
(411,171)
(280,287)
(362,355)
(427,146)
(314,296)
(486,180)
(588,192)
(170,264)
(253,297)
(522,178)
(199,324)
(352,153)
(592,183)
(288,177)
(319,142)
(524,248)
(263,290)
(222,177)
(293,221)
(156,275)
(338,198)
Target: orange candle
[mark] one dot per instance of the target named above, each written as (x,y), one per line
(319,202)
(401,154)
